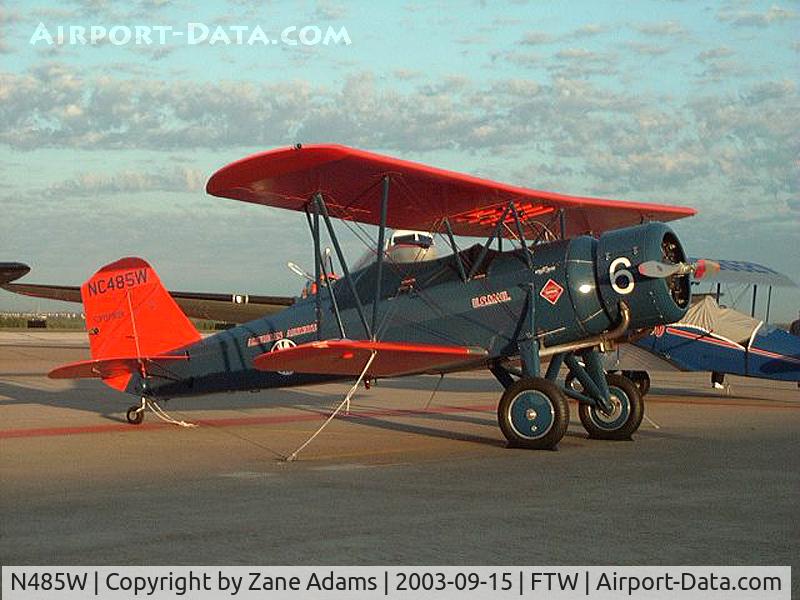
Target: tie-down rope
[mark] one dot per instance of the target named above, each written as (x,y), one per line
(164,415)
(342,404)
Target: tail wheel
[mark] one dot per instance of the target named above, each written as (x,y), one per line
(533,413)
(135,415)
(625,417)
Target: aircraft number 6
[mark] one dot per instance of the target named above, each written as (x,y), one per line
(621,278)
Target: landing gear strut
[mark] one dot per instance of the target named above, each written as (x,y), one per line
(640,378)
(533,411)
(625,415)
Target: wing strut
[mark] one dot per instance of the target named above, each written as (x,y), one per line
(521,235)
(381,237)
(456,253)
(320,204)
(495,233)
(321,273)
(317,279)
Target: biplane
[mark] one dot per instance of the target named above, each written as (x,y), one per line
(559,279)
(715,339)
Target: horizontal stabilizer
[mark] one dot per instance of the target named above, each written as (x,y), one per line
(348,357)
(114,371)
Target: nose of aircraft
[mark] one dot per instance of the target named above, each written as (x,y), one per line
(644,266)
(9,271)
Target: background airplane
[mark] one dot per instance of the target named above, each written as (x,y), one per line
(11,271)
(229,308)
(715,338)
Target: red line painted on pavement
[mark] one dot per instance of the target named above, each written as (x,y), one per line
(299,418)
(724,403)
(234,421)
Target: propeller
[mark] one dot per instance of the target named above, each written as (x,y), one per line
(295,269)
(659,270)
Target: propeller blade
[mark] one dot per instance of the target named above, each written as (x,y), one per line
(295,269)
(704,268)
(659,270)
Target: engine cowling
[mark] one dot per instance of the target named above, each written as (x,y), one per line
(601,273)
(653,301)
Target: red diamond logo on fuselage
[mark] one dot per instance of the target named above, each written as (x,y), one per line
(551,292)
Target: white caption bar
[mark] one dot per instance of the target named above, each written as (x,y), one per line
(563,582)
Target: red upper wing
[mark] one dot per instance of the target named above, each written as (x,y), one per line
(420,196)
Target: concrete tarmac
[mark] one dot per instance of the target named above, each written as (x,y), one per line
(393,482)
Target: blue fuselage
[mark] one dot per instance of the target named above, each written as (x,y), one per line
(430,303)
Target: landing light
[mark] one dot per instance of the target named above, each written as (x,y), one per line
(585,288)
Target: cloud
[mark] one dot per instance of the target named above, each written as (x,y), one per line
(745,18)
(541,38)
(329,11)
(590,30)
(406,74)
(751,137)
(714,54)
(7,19)
(536,38)
(580,63)
(472,39)
(179,179)
(770,90)
(662,28)
(611,140)
(671,169)
(719,66)
(647,49)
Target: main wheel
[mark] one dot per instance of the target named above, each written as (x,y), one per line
(533,413)
(625,417)
(134,415)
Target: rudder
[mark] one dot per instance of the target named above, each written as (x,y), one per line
(129,313)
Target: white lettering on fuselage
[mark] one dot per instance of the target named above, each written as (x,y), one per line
(490,299)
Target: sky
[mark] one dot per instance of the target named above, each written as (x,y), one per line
(105,147)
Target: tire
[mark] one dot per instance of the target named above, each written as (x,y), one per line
(533,413)
(626,417)
(134,415)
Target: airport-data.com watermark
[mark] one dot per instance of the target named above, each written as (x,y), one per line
(191,34)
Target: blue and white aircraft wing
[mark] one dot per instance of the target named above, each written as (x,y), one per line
(749,273)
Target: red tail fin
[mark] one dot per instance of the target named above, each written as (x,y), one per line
(129,314)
